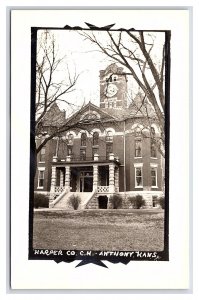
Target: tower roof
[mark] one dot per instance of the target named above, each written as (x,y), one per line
(113,68)
(141,107)
(54,116)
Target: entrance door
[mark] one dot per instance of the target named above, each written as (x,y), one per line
(88,184)
(86,181)
(103,201)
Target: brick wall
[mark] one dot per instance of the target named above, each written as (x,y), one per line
(118,150)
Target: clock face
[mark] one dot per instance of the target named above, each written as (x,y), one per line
(110,90)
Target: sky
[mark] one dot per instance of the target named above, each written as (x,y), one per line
(85,59)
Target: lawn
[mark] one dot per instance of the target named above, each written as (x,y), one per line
(127,230)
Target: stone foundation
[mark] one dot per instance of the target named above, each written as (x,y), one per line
(126,204)
(147,197)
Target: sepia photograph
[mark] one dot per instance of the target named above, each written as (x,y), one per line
(100,112)
(99,153)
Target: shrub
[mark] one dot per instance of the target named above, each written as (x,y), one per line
(131,199)
(41,200)
(116,201)
(74,200)
(161,202)
(136,201)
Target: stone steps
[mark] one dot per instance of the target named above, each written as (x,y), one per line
(64,203)
(93,203)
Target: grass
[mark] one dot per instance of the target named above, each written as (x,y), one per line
(127,230)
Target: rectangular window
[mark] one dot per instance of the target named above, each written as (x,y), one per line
(154,177)
(83,139)
(41,179)
(138,148)
(138,177)
(95,138)
(109,137)
(82,154)
(69,150)
(42,154)
(70,139)
(110,104)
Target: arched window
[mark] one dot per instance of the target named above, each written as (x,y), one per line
(90,116)
(83,139)
(138,148)
(138,131)
(42,154)
(111,78)
(69,150)
(109,136)
(70,139)
(83,154)
(95,138)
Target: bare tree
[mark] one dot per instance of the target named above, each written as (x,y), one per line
(51,89)
(149,119)
(137,53)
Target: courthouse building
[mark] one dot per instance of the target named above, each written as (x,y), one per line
(112,150)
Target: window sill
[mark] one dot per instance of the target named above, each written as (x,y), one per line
(41,162)
(139,187)
(154,158)
(40,187)
(136,157)
(154,187)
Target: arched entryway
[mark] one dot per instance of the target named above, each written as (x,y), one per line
(103,202)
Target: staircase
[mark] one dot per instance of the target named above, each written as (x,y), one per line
(85,198)
(93,203)
(64,202)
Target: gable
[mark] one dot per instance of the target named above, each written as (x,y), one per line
(91,114)
(54,116)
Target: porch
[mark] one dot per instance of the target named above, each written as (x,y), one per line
(100,175)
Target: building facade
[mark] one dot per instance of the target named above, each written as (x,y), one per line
(111,150)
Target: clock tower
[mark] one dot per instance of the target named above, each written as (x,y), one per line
(113,87)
